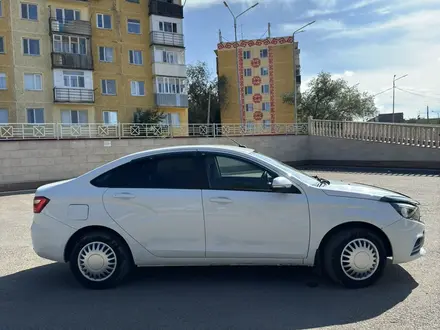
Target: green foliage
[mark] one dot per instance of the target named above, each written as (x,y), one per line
(202,91)
(332,99)
(147,116)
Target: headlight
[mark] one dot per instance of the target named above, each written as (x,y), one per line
(407,211)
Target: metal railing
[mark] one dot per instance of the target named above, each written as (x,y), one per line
(403,134)
(166,38)
(171,100)
(20,131)
(70,26)
(73,95)
(72,61)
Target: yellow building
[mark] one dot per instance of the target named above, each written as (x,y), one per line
(97,61)
(265,73)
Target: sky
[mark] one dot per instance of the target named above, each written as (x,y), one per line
(366,42)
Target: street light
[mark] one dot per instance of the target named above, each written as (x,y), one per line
(236,50)
(301,29)
(394,91)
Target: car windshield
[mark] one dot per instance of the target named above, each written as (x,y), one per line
(289,169)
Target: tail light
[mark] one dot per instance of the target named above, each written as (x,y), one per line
(40,203)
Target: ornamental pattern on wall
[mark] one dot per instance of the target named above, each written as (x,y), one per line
(255,63)
(271,88)
(257,98)
(256,81)
(241,82)
(259,42)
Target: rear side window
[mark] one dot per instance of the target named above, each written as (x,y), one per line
(182,171)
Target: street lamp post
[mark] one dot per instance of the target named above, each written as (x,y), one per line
(301,29)
(394,91)
(236,51)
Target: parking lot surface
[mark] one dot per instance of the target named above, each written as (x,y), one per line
(38,294)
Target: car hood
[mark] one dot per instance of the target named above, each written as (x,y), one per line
(359,190)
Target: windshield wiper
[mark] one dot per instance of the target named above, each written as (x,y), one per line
(322,181)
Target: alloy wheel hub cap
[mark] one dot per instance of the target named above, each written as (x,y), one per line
(97,261)
(359,259)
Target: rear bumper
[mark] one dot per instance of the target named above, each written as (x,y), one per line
(49,237)
(407,238)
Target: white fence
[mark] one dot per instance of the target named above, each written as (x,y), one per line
(404,134)
(20,131)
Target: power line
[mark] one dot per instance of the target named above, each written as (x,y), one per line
(417,94)
(417,91)
(263,34)
(384,91)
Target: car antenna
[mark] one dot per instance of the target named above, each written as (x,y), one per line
(237,143)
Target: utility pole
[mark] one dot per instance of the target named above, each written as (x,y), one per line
(295,113)
(268,30)
(427,113)
(236,52)
(394,92)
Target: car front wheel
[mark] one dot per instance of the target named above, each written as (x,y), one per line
(100,260)
(355,258)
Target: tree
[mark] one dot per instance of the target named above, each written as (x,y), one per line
(332,99)
(147,116)
(205,92)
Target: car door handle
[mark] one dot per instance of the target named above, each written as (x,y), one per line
(221,200)
(124,195)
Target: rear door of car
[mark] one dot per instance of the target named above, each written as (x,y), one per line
(157,200)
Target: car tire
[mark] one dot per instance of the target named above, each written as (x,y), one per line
(355,258)
(100,260)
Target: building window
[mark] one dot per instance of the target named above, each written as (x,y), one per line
(33,82)
(74,117)
(265,89)
(265,106)
(1,9)
(168,27)
(110,117)
(2,44)
(263,53)
(264,71)
(31,47)
(74,79)
(134,26)
(69,44)
(249,107)
(266,123)
(137,88)
(135,57)
(133,1)
(103,21)
(249,125)
(3,82)
(106,54)
(170,57)
(29,11)
(247,54)
(247,72)
(35,115)
(108,86)
(172,119)
(248,90)
(165,85)
(3,112)
(67,15)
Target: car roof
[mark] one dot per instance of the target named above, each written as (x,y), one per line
(206,147)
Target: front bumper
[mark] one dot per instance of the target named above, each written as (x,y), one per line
(49,237)
(407,238)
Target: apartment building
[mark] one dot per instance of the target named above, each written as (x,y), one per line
(96,61)
(265,73)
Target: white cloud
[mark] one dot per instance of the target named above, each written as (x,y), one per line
(201,4)
(320,11)
(322,25)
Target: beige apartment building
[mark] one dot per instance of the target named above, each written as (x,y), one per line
(97,61)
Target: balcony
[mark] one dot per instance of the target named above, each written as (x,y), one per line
(169,70)
(72,61)
(298,79)
(73,95)
(171,100)
(166,39)
(165,8)
(70,27)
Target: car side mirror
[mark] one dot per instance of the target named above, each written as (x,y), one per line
(281,183)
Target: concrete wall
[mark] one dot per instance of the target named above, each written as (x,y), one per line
(26,164)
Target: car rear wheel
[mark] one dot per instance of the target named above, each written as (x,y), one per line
(355,257)
(100,260)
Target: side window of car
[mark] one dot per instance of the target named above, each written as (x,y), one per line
(230,173)
(182,171)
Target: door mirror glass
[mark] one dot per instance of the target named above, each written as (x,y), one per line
(280,183)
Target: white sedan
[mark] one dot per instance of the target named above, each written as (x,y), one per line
(220,205)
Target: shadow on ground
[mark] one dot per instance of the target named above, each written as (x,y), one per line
(195,298)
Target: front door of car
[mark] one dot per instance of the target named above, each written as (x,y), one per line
(245,218)
(158,202)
